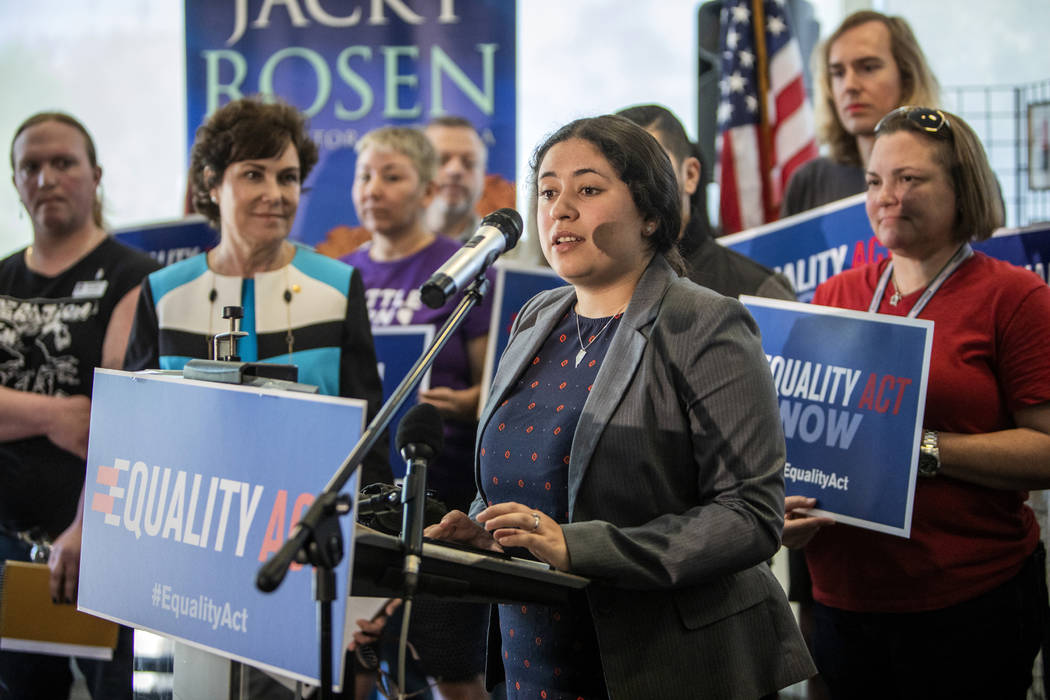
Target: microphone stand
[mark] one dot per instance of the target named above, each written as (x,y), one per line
(413,499)
(318,538)
(414,504)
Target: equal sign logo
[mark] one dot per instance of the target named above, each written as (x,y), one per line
(103,502)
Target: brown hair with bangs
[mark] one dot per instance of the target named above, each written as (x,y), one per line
(251,127)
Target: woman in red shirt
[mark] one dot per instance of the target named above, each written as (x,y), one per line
(958,609)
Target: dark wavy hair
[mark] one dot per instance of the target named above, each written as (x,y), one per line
(641,163)
(89,147)
(251,127)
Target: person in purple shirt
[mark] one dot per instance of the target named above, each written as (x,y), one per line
(393,185)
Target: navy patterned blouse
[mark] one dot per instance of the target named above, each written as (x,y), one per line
(548,652)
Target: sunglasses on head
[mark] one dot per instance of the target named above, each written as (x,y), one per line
(931,121)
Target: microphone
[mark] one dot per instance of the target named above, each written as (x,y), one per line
(421,433)
(497,233)
(420,436)
(379,507)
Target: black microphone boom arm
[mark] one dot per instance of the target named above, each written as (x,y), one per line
(272,572)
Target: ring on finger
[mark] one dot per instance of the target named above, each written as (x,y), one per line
(535,521)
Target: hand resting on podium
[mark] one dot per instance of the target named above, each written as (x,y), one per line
(506,525)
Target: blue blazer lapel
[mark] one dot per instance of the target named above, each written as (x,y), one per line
(617,370)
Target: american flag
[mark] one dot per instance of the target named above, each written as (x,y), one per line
(762,141)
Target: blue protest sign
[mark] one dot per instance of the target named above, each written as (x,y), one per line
(1027,247)
(190,486)
(397,349)
(354,68)
(515,284)
(809,248)
(170,241)
(852,389)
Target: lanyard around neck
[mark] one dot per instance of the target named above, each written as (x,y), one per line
(961,255)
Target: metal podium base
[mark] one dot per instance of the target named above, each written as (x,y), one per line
(201,674)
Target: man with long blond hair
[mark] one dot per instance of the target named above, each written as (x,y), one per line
(871,64)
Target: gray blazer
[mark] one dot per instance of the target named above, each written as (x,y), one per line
(676,495)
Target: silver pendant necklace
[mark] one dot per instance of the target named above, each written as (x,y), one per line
(961,255)
(895,298)
(579,334)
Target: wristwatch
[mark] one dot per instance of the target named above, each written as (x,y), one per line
(929,454)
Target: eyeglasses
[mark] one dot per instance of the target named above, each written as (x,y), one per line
(931,121)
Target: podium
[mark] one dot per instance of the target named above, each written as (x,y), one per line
(190,485)
(457,574)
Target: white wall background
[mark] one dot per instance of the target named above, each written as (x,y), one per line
(118,65)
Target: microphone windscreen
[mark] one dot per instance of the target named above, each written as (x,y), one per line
(508,221)
(421,425)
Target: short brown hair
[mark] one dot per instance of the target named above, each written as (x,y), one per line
(918,84)
(453,122)
(251,127)
(89,147)
(979,203)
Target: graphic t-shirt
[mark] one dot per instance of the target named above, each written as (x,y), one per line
(51,334)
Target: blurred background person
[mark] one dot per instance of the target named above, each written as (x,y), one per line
(68,301)
(460,180)
(632,436)
(869,65)
(708,264)
(394,184)
(959,608)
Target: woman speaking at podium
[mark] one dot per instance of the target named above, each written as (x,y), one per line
(247,167)
(632,437)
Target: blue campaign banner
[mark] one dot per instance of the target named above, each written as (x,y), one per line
(170,241)
(1027,247)
(810,247)
(397,349)
(515,284)
(852,389)
(190,487)
(353,67)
